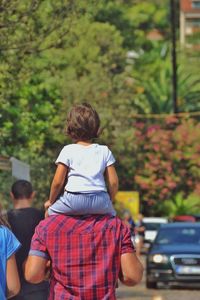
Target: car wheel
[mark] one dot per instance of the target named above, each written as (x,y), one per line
(151,284)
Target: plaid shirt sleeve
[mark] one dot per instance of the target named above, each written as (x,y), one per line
(38,247)
(127,245)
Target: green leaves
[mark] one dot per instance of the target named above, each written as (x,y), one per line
(182,205)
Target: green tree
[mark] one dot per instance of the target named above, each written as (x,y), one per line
(134,19)
(155,86)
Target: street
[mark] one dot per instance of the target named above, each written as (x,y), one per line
(141,293)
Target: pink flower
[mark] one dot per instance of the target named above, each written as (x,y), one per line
(159,182)
(156,147)
(165,191)
(144,186)
(171,184)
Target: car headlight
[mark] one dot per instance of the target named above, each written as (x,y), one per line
(158,258)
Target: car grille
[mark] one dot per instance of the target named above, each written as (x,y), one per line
(184,265)
(187,261)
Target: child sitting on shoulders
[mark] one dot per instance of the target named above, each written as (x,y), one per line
(87,166)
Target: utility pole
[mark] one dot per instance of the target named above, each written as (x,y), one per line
(173,55)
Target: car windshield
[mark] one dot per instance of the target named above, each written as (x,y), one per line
(152,226)
(187,235)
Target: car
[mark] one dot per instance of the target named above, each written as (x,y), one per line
(151,225)
(174,256)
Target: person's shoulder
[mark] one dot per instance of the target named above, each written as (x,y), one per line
(6,232)
(107,155)
(51,222)
(110,221)
(68,147)
(55,224)
(118,221)
(37,212)
(35,209)
(113,223)
(103,148)
(26,211)
(10,212)
(9,240)
(3,229)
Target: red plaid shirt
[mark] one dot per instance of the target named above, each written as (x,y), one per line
(85,253)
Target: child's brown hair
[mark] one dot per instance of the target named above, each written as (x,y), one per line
(83,123)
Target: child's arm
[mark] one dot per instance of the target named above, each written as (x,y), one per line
(112,180)
(58,182)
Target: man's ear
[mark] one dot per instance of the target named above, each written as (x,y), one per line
(33,195)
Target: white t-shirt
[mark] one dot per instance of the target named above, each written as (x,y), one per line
(86,166)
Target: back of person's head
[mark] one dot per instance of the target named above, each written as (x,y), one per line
(22,189)
(140,216)
(126,215)
(83,123)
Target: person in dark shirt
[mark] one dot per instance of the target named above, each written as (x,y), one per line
(23,219)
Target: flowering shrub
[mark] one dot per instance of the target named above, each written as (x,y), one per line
(168,158)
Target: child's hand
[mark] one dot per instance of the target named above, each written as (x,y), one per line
(47,204)
(46,214)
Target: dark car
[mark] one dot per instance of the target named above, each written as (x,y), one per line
(174,257)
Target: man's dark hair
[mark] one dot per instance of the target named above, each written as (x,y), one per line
(83,123)
(22,189)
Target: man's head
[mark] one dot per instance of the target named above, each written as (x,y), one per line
(127,215)
(140,217)
(22,190)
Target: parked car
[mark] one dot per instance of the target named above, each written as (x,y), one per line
(151,224)
(174,257)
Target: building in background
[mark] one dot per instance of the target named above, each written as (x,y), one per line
(189,22)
